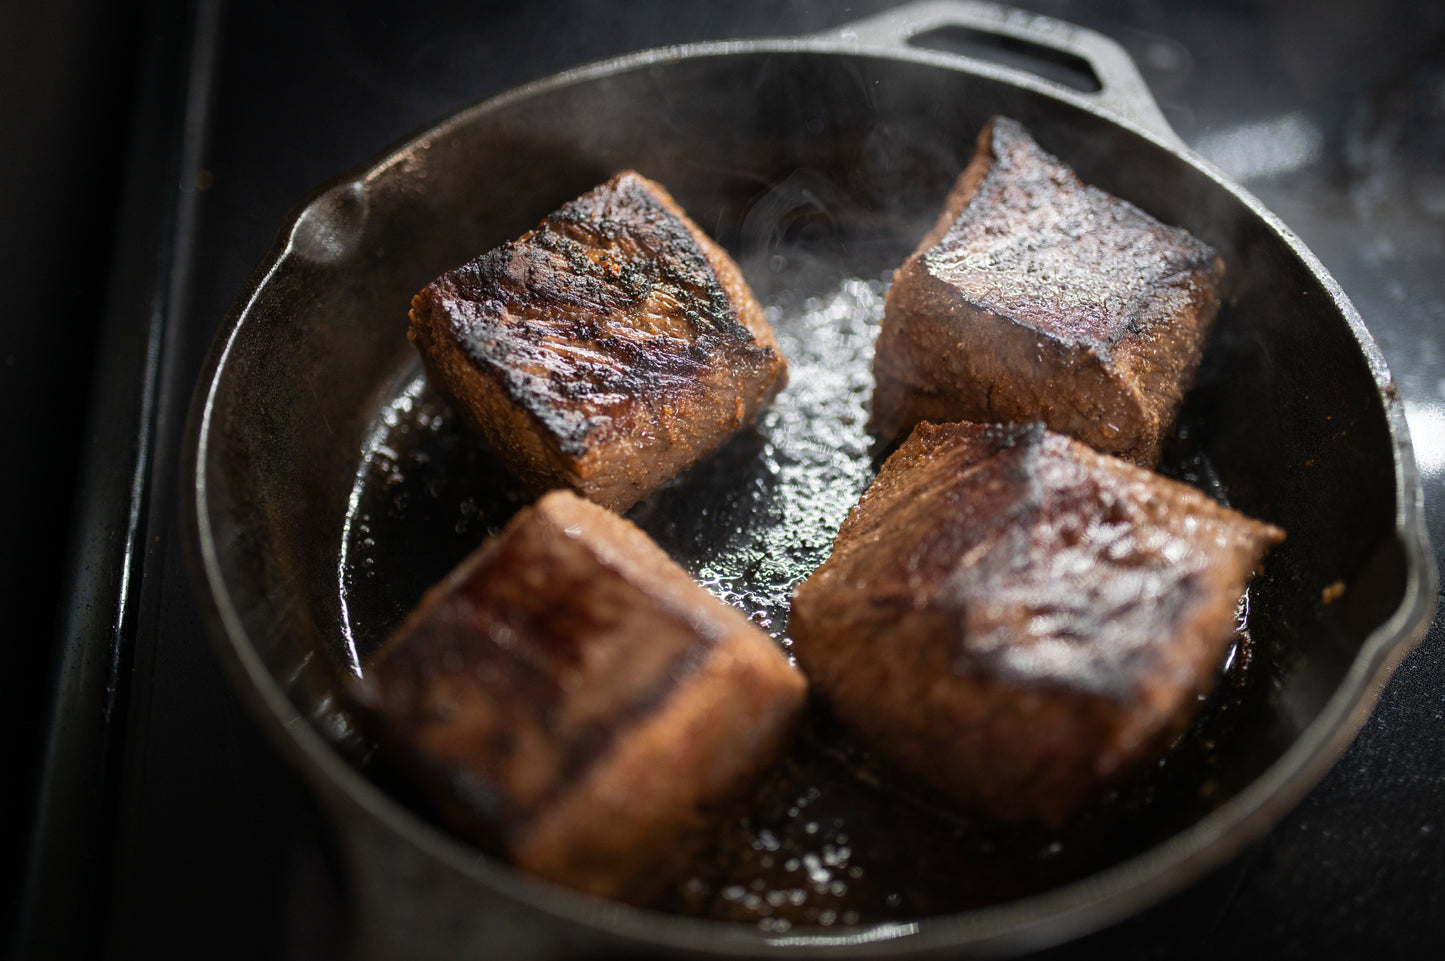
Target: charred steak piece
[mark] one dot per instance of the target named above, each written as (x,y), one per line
(1019,620)
(1037,297)
(604,351)
(571,700)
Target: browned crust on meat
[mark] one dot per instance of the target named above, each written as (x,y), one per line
(1019,620)
(1037,297)
(571,700)
(604,351)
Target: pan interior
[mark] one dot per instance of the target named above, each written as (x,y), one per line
(832,836)
(338,487)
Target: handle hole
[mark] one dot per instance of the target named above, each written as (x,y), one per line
(1046,62)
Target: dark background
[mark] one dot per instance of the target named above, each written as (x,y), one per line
(148,155)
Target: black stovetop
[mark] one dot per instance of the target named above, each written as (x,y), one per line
(168,826)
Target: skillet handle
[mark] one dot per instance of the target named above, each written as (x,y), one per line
(406,906)
(1122,90)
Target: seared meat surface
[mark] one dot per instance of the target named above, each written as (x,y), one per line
(1038,297)
(1019,620)
(604,351)
(569,699)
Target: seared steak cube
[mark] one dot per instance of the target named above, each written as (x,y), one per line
(1038,297)
(604,351)
(1019,620)
(569,699)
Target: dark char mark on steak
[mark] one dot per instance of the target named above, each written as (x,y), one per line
(616,339)
(557,700)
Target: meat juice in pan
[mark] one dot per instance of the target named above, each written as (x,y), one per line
(832,835)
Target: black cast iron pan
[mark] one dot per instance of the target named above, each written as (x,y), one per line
(330,487)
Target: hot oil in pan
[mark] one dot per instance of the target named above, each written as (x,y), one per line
(832,836)
(761,515)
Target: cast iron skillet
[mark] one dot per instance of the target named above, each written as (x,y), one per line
(329,486)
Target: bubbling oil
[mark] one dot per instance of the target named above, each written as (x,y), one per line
(754,529)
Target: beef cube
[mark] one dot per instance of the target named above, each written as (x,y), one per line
(1037,297)
(1020,621)
(604,351)
(569,699)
